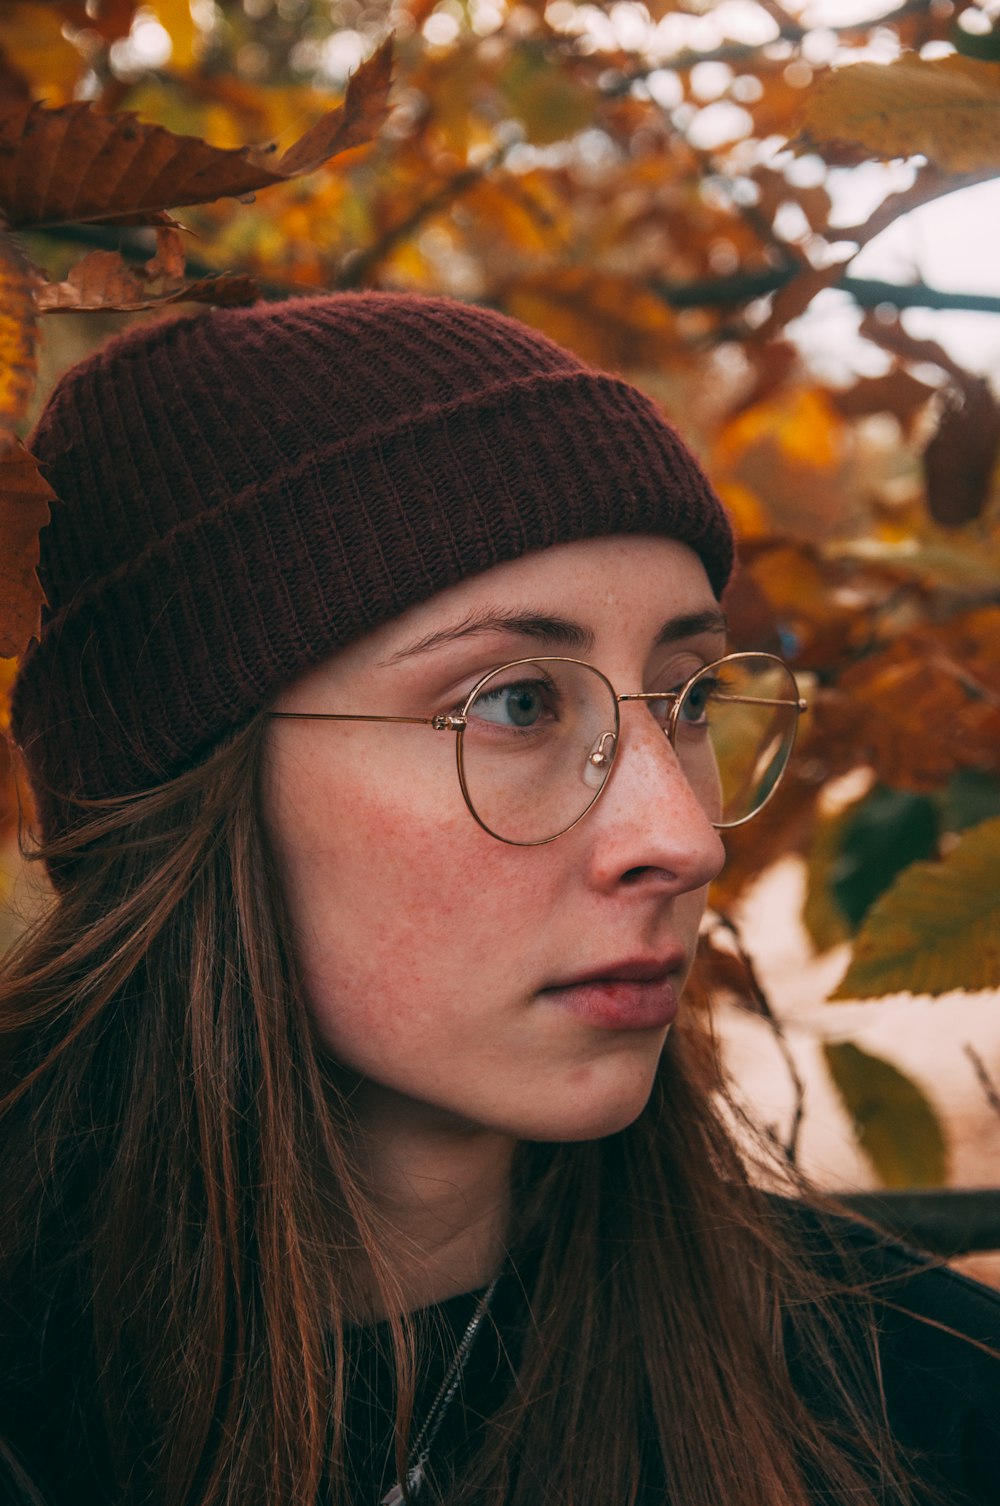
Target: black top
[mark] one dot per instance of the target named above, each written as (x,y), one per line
(935,1328)
(942,1388)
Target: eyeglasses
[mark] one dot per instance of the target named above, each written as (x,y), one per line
(536,739)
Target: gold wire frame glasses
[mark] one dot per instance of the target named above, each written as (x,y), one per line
(536,739)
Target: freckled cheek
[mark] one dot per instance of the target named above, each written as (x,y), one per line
(404,912)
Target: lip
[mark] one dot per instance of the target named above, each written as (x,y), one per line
(633,994)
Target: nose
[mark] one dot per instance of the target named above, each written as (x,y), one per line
(649,824)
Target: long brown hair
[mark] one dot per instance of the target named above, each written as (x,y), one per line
(180,1194)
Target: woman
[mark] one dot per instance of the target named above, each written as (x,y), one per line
(352,1152)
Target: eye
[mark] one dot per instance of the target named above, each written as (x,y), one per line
(697,704)
(520,703)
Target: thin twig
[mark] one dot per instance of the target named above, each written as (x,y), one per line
(986,1082)
(790,1146)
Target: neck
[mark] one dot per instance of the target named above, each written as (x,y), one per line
(442,1189)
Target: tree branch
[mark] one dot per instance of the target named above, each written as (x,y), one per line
(985,1080)
(762,1004)
(716,292)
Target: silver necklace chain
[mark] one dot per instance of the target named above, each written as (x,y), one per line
(432,1422)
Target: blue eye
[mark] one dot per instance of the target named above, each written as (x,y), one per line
(698,701)
(522,704)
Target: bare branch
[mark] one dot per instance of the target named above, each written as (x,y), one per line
(986,1082)
(763,1006)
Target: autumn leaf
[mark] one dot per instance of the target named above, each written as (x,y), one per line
(925,705)
(104,280)
(937,928)
(946,108)
(17,337)
(24,511)
(896,1125)
(897,391)
(73,165)
(960,458)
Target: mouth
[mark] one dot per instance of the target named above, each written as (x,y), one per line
(633,994)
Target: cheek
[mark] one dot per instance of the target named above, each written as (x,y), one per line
(403,911)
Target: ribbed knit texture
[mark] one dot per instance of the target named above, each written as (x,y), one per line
(243,491)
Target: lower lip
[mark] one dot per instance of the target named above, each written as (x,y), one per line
(619,1005)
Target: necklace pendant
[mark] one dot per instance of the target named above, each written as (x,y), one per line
(414,1482)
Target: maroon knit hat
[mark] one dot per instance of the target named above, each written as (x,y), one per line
(245,490)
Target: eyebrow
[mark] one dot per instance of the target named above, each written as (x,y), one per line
(558,632)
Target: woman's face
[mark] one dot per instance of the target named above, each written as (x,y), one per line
(460,980)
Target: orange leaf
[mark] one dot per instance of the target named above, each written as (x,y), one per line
(71,165)
(24,511)
(17,337)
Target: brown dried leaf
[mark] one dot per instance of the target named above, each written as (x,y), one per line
(72,165)
(17,337)
(102,280)
(897,392)
(353,123)
(891,336)
(960,458)
(927,705)
(24,511)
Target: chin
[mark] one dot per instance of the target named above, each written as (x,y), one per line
(593,1117)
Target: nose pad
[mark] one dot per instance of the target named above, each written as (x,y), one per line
(599,760)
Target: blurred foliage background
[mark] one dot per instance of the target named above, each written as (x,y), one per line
(671,188)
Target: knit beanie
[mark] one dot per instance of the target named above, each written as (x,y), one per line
(242,491)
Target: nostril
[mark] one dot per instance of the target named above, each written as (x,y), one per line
(647,873)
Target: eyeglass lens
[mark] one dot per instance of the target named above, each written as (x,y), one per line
(541,737)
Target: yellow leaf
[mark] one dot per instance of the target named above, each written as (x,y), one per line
(937,928)
(896,1126)
(947,108)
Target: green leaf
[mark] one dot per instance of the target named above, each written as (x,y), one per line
(985,46)
(883,835)
(896,1126)
(972,796)
(937,928)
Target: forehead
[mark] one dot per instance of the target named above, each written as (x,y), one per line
(592,581)
(588,599)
